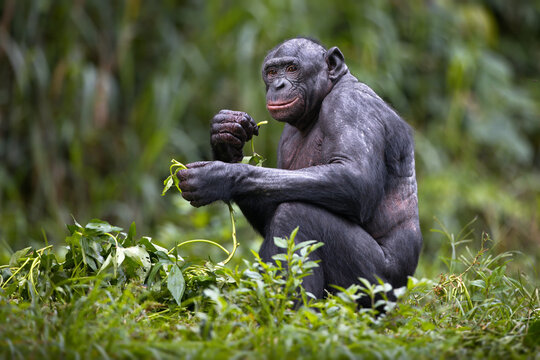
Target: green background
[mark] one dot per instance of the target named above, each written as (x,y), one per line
(96,97)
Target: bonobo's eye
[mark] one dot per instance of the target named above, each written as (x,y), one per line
(271,72)
(292,68)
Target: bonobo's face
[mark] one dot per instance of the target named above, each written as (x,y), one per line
(296,78)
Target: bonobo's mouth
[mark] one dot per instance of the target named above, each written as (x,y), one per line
(272,106)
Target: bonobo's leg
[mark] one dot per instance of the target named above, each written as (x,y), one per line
(348,253)
(286,218)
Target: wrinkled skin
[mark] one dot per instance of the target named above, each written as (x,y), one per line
(229,132)
(345,172)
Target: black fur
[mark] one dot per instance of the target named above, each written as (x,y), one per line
(345,170)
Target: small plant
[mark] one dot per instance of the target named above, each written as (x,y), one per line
(270,292)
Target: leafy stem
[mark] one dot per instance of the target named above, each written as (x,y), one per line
(173,180)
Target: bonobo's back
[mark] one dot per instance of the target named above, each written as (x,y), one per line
(393,221)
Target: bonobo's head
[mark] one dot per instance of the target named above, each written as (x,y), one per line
(298,74)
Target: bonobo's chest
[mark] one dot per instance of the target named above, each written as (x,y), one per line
(298,151)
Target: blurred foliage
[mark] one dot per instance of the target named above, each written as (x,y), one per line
(97,96)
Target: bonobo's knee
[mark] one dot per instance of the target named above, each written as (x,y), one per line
(280,226)
(287,217)
(282,221)
(290,215)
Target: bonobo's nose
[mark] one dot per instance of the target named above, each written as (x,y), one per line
(279,84)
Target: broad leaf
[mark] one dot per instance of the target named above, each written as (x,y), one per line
(130,239)
(280,242)
(101,226)
(280,257)
(106,264)
(139,255)
(118,259)
(176,284)
(168,183)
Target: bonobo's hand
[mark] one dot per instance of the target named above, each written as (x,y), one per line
(205,182)
(229,132)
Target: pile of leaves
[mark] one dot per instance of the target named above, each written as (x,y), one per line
(100,253)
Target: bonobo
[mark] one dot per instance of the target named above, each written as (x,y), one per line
(345,172)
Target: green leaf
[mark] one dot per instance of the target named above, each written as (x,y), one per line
(253,274)
(133,270)
(82,243)
(168,183)
(293,234)
(74,240)
(280,257)
(17,255)
(150,246)
(101,226)
(308,250)
(106,263)
(118,259)
(311,264)
(90,252)
(163,255)
(130,239)
(176,284)
(280,242)
(139,255)
(303,244)
(478,283)
(155,271)
(74,228)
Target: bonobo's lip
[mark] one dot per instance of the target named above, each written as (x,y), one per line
(278,106)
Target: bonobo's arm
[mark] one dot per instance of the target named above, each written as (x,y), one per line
(229,131)
(350,183)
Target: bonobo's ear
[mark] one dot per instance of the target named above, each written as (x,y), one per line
(336,63)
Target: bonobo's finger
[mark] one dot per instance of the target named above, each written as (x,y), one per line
(198,203)
(231,112)
(197,164)
(249,125)
(184,182)
(225,116)
(182,175)
(226,139)
(232,128)
(189,196)
(227,153)
(186,195)
(247,122)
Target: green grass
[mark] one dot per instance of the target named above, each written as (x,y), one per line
(81,308)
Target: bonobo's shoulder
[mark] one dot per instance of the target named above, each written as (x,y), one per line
(354,101)
(349,93)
